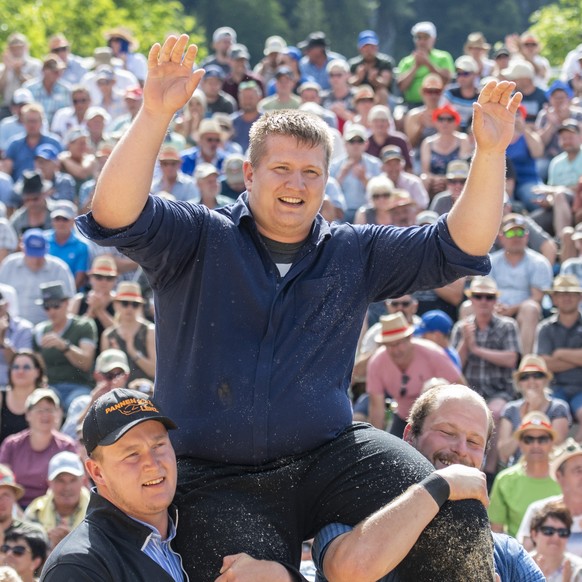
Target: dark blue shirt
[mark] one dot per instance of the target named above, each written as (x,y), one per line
(252,366)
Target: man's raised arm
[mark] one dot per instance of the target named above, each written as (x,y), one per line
(125,181)
(475,218)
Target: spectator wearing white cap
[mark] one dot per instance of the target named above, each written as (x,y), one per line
(208,183)
(339,99)
(12,124)
(523,74)
(457,172)
(353,170)
(108,91)
(65,243)
(208,150)
(423,60)
(96,121)
(233,181)
(463,92)
(77,159)
(222,39)
(64,505)
(266,67)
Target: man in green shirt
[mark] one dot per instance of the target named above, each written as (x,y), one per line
(424,59)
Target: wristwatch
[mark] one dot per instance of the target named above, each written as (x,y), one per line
(67,346)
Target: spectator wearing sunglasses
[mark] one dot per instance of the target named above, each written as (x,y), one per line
(566,469)
(532,380)
(400,367)
(516,487)
(25,549)
(132,333)
(522,275)
(551,528)
(559,343)
(489,347)
(463,92)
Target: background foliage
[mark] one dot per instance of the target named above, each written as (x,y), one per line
(558,23)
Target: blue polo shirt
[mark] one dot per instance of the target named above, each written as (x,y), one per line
(22,155)
(252,366)
(75,251)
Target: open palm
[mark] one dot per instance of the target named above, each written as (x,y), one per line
(171,80)
(494,115)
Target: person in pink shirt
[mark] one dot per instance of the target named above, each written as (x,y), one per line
(399,369)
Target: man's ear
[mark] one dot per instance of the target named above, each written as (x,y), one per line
(248,175)
(94,470)
(408,437)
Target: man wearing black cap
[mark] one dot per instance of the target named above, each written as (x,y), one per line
(129,526)
(313,64)
(217,100)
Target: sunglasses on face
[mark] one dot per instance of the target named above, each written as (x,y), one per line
(47,305)
(103,277)
(445,118)
(548,530)
(80,100)
(16,550)
(400,303)
(357,140)
(542,440)
(534,375)
(379,195)
(212,139)
(336,74)
(110,376)
(530,44)
(432,91)
(458,181)
(404,387)
(133,304)
(514,233)
(464,73)
(483,296)
(26,367)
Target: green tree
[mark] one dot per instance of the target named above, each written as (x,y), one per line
(84,23)
(559,28)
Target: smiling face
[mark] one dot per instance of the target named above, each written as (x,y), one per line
(456,432)
(286,188)
(138,473)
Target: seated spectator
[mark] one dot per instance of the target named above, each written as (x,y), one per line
(528,49)
(436,326)
(525,147)
(47,164)
(355,169)
(274,47)
(12,125)
(436,151)
(399,369)
(364,100)
(29,452)
(521,276)
(77,159)
(402,208)
(383,134)
(131,333)
(457,172)
(208,185)
(310,94)
(418,122)
(27,270)
(172,179)
(393,166)
(551,527)
(240,71)
(249,95)
(15,335)
(87,188)
(25,549)
(67,118)
(225,123)
(25,374)
(208,149)
(488,344)
(217,100)
(66,244)
(284,98)
(66,344)
(379,192)
(96,120)
(339,98)
(532,379)
(63,506)
(10,493)
(33,191)
(463,93)
(522,73)
(133,99)
(516,487)
(233,181)
(559,343)
(573,265)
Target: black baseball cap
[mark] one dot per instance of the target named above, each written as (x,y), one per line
(117,412)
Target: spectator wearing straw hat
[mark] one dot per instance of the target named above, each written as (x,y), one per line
(172,179)
(132,333)
(518,486)
(559,343)
(565,468)
(399,369)
(124,46)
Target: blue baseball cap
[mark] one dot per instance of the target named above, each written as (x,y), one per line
(367,37)
(434,320)
(34,243)
(214,71)
(47,151)
(560,86)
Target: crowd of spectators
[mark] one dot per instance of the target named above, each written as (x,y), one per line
(76,319)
